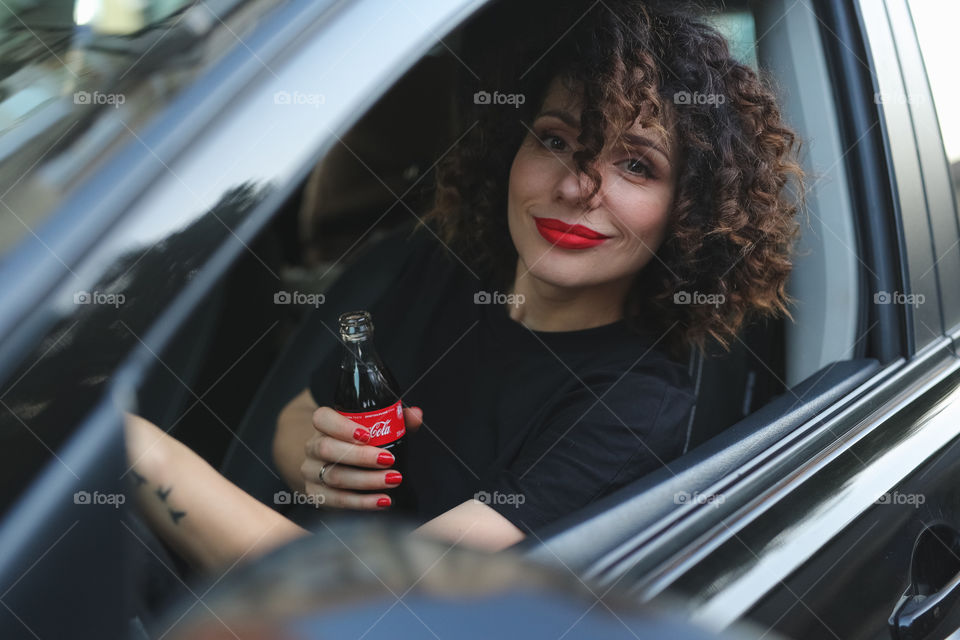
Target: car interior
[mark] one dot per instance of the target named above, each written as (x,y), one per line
(778,376)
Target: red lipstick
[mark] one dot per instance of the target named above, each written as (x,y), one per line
(568,236)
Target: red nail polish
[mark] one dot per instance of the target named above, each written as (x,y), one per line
(383,502)
(385,458)
(362,435)
(393,478)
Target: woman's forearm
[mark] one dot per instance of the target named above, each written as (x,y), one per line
(207,519)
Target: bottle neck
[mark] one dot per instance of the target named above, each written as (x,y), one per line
(359,353)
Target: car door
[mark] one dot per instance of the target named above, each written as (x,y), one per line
(847,523)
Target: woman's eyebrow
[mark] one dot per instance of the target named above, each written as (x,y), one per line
(631,139)
(561,115)
(634,140)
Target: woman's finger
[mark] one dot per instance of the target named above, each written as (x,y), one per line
(327,496)
(329,422)
(327,449)
(412,418)
(345,476)
(342,476)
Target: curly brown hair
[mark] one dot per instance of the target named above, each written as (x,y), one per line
(732,227)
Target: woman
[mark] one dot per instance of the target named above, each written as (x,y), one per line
(625,170)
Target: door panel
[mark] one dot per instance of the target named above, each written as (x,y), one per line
(839,513)
(852,585)
(61,569)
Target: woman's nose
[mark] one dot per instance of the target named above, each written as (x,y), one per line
(575,187)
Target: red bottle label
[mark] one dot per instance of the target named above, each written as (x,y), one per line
(385,425)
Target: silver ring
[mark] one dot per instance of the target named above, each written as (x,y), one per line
(323,470)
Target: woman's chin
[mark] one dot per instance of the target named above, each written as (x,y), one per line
(561,269)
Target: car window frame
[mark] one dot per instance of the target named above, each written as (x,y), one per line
(942,206)
(923,323)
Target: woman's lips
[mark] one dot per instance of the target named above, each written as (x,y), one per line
(568,236)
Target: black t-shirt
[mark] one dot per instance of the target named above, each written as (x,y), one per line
(535,424)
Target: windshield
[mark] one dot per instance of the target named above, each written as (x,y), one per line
(72,85)
(39,42)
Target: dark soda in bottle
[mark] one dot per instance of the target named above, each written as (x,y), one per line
(367,392)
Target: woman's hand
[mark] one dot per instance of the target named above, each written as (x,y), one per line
(339,443)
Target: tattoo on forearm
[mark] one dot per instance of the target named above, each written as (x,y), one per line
(174,514)
(161,493)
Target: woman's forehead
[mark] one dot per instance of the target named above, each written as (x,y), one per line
(565,103)
(561,96)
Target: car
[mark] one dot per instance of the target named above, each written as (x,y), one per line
(181,181)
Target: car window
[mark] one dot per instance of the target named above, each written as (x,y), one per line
(80,79)
(740,29)
(829,263)
(826,326)
(107,300)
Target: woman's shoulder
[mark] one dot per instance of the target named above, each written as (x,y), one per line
(639,356)
(626,387)
(656,363)
(639,387)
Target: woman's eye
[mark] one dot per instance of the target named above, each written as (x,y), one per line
(553,143)
(636,167)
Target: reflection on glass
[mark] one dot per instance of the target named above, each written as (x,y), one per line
(66,375)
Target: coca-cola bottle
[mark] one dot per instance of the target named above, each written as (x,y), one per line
(367,392)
